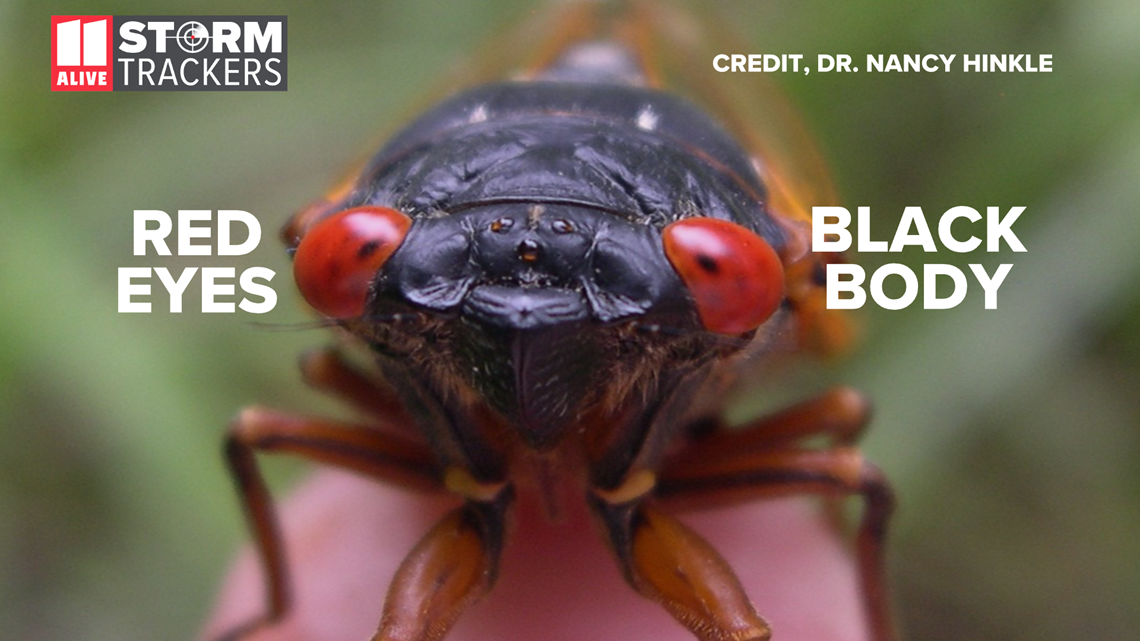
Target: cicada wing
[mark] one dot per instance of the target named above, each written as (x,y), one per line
(678,45)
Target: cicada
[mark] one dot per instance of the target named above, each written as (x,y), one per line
(557,277)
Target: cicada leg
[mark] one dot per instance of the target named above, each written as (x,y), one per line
(454,565)
(840,413)
(359,448)
(763,466)
(669,563)
(457,561)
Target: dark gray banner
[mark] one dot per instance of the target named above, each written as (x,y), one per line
(200,53)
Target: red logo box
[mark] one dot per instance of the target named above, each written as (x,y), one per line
(81,56)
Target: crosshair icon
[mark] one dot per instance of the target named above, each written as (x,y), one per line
(192,37)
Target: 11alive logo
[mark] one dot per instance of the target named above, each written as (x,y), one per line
(168,53)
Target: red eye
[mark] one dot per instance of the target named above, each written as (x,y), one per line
(734,276)
(338,258)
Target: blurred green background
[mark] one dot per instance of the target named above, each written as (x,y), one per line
(1012,435)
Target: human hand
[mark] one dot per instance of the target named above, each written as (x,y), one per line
(345,537)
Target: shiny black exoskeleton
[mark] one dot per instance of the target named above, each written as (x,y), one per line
(538,208)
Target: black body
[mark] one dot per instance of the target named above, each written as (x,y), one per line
(535,265)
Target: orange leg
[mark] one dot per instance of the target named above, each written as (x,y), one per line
(451,568)
(669,563)
(784,470)
(840,413)
(362,449)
